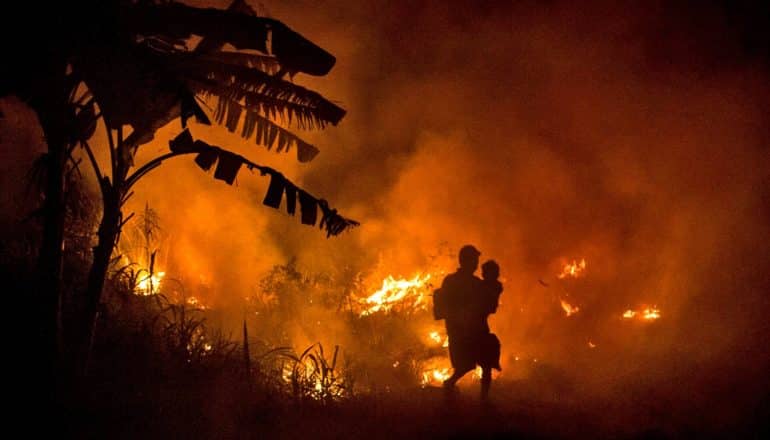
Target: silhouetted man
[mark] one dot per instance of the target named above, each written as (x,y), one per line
(462,302)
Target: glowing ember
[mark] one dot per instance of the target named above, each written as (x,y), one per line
(195,302)
(647,314)
(591,344)
(568,308)
(407,294)
(150,284)
(573,269)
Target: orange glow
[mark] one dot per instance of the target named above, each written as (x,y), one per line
(573,270)
(568,308)
(195,302)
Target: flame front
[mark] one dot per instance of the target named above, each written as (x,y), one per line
(573,270)
(404,293)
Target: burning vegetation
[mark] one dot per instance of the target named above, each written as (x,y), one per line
(398,295)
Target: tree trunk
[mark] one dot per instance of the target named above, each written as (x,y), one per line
(109,229)
(51,107)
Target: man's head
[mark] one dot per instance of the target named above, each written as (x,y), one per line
(469,258)
(490,270)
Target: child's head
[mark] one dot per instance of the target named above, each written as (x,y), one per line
(490,270)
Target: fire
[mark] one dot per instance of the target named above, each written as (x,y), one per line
(434,372)
(434,376)
(647,314)
(408,294)
(305,375)
(436,337)
(573,269)
(150,284)
(651,313)
(568,308)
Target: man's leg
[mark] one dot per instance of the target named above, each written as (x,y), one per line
(456,375)
(486,382)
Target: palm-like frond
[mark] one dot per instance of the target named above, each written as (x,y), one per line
(228,165)
(300,115)
(266,89)
(266,132)
(243,31)
(265,63)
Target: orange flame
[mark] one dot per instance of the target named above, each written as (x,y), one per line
(150,284)
(573,269)
(436,337)
(651,313)
(434,376)
(568,308)
(404,293)
(647,314)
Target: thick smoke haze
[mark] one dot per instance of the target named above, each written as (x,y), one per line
(632,134)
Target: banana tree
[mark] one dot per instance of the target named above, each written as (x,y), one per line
(134,66)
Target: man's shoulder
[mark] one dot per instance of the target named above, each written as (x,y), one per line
(452,277)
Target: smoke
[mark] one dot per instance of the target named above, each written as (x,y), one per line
(632,135)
